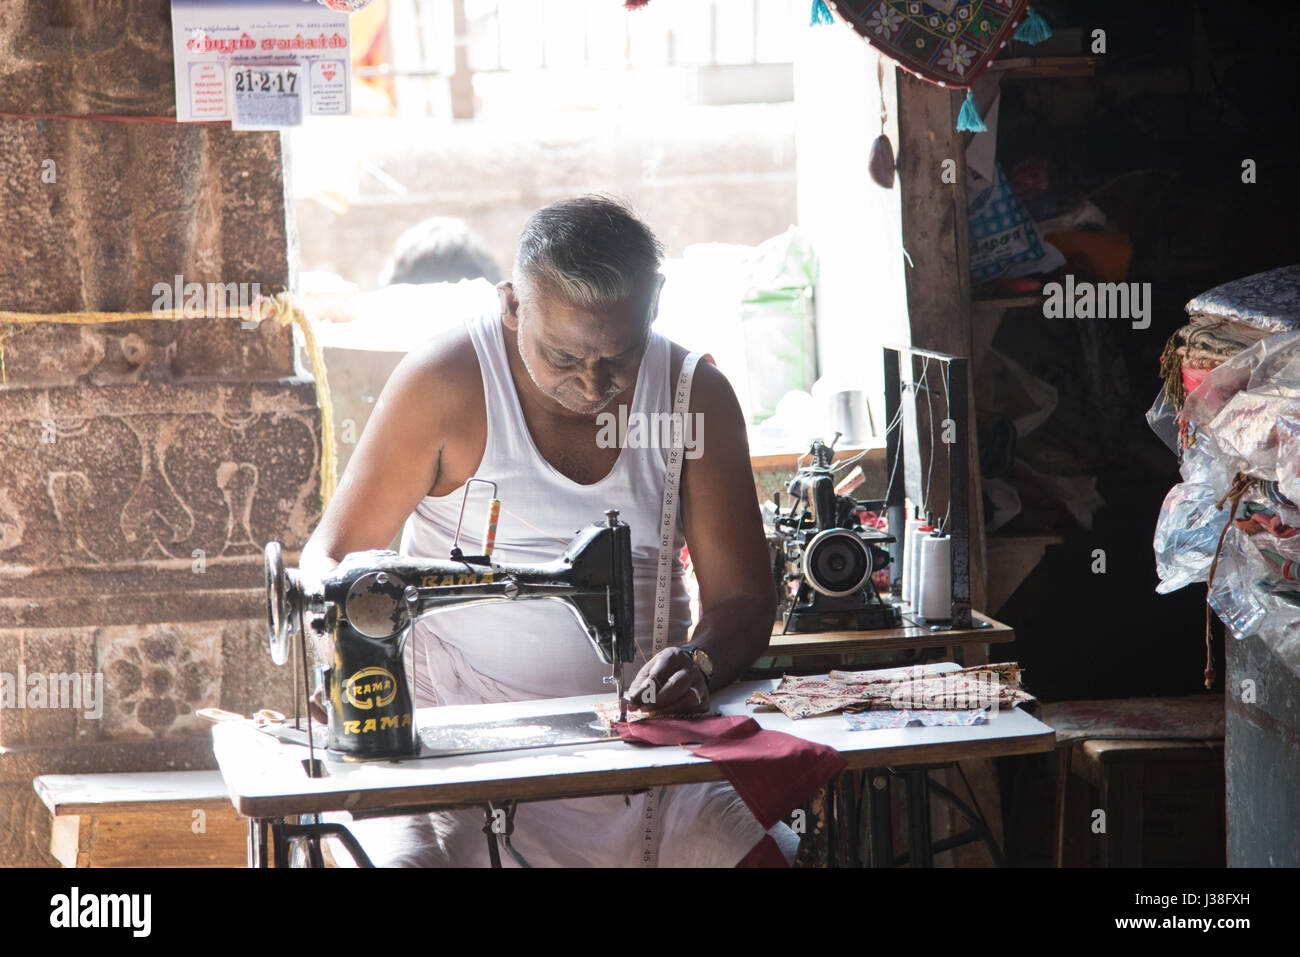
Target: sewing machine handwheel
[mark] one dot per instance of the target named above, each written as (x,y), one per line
(278,612)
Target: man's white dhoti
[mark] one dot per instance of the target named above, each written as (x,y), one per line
(701,825)
(497,651)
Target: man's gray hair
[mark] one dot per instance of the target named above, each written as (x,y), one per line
(591,251)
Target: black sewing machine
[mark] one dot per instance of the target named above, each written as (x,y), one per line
(822,556)
(367,603)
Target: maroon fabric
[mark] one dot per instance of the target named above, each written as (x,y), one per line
(766,853)
(683,730)
(773,772)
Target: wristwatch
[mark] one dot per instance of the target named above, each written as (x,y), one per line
(703,662)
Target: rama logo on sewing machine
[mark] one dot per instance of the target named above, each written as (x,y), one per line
(385,723)
(461,578)
(371,687)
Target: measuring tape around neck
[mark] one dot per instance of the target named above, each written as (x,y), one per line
(663,576)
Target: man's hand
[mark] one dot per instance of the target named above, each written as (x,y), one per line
(669,683)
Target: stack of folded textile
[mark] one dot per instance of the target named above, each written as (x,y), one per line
(1226,320)
(1198,347)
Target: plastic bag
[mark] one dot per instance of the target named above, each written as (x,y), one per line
(776,316)
(1244,419)
(1163,419)
(1187,534)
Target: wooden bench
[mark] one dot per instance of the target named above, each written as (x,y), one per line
(1160,795)
(160,819)
(1153,767)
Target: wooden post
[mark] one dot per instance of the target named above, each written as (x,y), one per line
(932,181)
(938,279)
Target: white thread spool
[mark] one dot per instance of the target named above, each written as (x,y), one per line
(934,588)
(910,549)
(914,569)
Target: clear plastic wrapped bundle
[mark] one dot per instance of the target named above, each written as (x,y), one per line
(1187,535)
(1242,425)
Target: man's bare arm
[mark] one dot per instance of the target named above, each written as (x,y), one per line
(406,451)
(403,451)
(724,531)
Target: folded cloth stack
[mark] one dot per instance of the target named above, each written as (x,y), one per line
(1224,321)
(1197,348)
(922,687)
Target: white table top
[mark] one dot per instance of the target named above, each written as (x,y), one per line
(267,778)
(107,793)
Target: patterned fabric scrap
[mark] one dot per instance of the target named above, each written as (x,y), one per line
(920,688)
(1257,518)
(1268,301)
(876,720)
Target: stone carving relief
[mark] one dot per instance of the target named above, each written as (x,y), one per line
(154,684)
(155,487)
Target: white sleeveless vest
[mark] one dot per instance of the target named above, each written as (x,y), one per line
(499,651)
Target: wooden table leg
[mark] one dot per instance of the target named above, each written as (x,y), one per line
(1121,799)
(1063,752)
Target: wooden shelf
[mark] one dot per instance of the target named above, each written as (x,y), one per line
(1045,67)
(886,639)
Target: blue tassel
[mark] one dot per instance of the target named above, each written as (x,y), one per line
(820,14)
(969,119)
(1033,29)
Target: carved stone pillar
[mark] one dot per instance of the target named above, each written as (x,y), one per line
(143,464)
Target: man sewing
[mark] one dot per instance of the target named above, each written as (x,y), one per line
(516,397)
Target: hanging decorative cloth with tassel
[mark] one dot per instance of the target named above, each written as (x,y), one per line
(949,43)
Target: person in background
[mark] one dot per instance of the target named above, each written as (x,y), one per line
(439,249)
